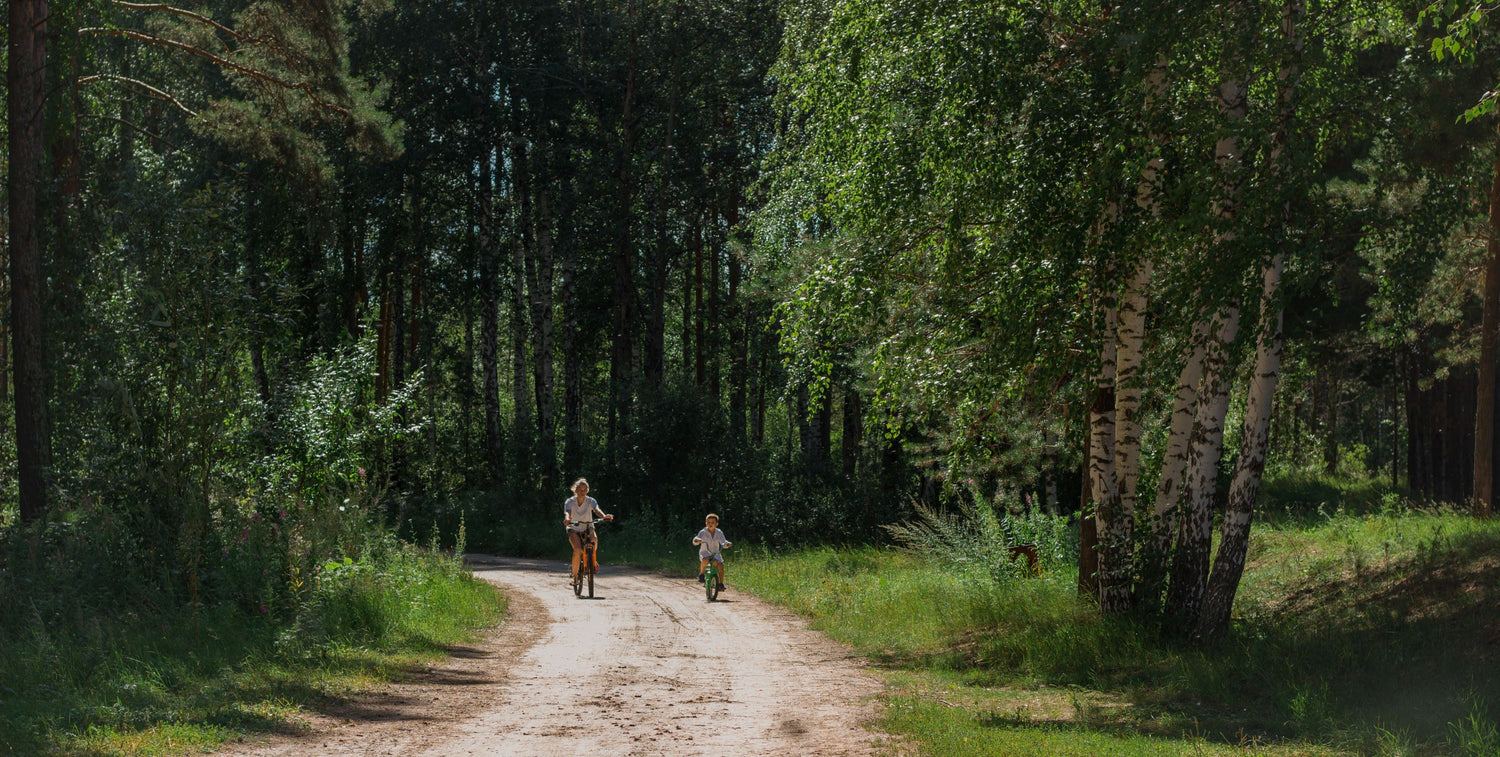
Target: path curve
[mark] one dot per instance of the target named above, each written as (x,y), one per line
(648,667)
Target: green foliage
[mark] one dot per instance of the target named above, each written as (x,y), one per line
(1350,627)
(196,677)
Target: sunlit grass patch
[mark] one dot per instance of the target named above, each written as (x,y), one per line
(1356,633)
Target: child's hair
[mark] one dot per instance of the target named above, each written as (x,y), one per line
(711,516)
(576,484)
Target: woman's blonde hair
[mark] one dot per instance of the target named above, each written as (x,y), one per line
(582,481)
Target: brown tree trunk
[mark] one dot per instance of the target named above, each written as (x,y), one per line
(700,343)
(523,434)
(737,355)
(489,316)
(539,277)
(854,431)
(622,346)
(1484,406)
(26,78)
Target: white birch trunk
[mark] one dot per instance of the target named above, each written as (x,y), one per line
(1235,535)
(1102,487)
(1234,541)
(1195,522)
(1166,511)
(1115,535)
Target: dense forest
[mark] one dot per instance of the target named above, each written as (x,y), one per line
(282,272)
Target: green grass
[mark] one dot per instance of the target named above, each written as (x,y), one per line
(145,684)
(1365,631)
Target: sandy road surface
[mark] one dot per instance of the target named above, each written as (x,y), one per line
(648,667)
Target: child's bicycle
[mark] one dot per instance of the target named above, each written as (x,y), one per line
(711,580)
(588,566)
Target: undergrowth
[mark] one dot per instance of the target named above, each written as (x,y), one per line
(1358,631)
(168,681)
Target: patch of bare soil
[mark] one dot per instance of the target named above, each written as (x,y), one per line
(647,667)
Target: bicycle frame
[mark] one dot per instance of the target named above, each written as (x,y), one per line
(586,568)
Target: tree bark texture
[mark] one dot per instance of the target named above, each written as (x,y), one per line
(489,316)
(1117,541)
(1167,510)
(1195,523)
(853,432)
(539,279)
(26,78)
(1102,488)
(1234,542)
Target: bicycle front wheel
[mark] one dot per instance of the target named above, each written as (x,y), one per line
(711,585)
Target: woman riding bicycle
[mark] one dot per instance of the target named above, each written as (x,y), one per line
(578,510)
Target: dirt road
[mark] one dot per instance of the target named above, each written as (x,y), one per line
(647,667)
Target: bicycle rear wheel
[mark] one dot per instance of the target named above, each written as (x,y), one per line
(589,557)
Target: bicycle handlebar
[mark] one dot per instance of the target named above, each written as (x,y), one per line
(588,522)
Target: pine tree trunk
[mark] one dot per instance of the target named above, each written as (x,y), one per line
(520,343)
(737,356)
(571,340)
(539,270)
(26,77)
(489,317)
(700,342)
(622,347)
(1484,406)
(854,431)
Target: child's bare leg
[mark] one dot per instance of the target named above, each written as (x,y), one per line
(723,574)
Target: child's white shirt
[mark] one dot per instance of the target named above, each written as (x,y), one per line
(710,543)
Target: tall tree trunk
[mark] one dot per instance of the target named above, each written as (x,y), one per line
(715,318)
(854,431)
(622,346)
(737,356)
(757,382)
(1234,539)
(1167,510)
(539,278)
(1088,540)
(26,81)
(520,383)
(1115,585)
(1102,488)
(489,315)
(700,342)
(1200,487)
(1484,407)
(571,339)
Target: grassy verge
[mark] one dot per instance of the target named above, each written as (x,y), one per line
(1357,634)
(149,683)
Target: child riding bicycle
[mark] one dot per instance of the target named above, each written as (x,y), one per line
(711,543)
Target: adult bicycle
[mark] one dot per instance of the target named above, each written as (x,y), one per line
(587,568)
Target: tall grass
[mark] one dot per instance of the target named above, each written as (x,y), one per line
(1359,631)
(190,678)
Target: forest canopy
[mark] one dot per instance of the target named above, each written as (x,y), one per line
(414,266)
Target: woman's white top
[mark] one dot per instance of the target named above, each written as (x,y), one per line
(710,542)
(580,511)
